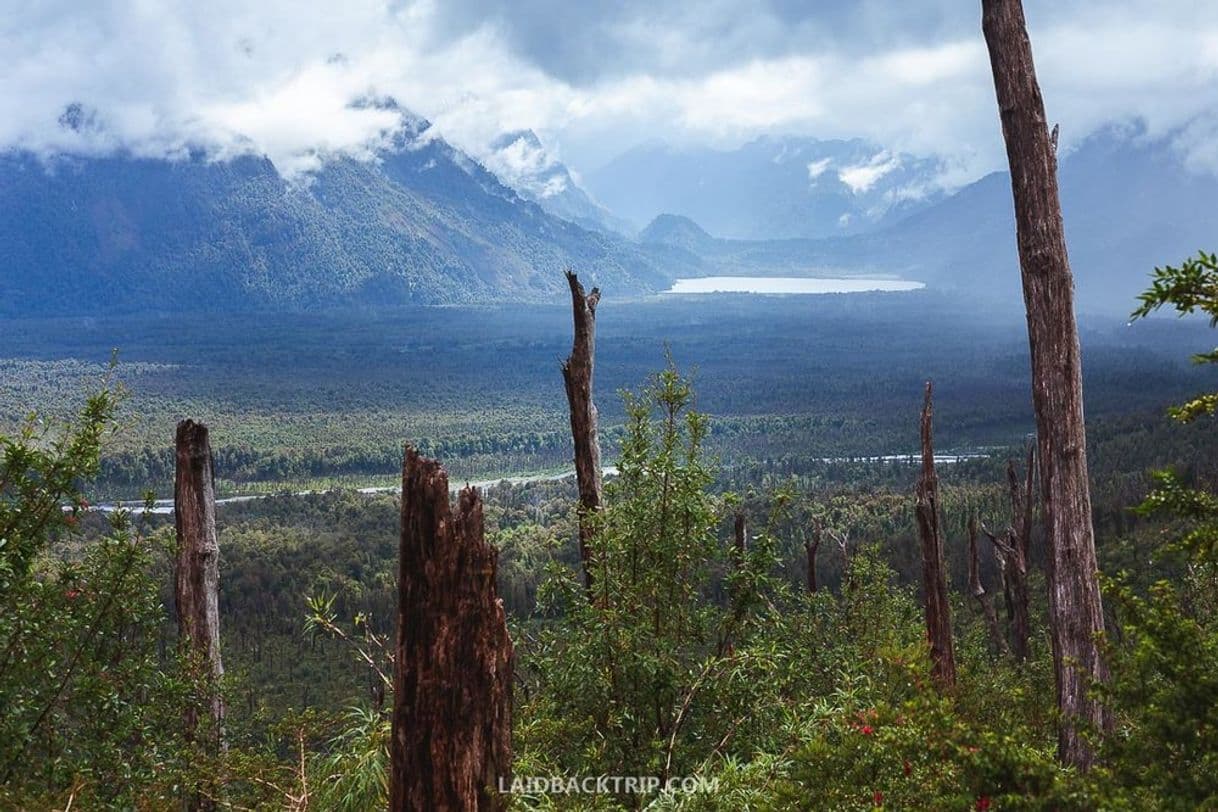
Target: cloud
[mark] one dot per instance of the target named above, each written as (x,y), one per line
(281,78)
(861,177)
(817,168)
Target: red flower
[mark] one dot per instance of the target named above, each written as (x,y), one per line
(71,594)
(983,803)
(878,798)
(867,730)
(908,769)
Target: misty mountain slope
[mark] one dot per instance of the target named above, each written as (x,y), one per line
(770,188)
(424,223)
(522,162)
(1129,204)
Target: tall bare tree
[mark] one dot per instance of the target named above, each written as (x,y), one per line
(1075,610)
(577,375)
(934,581)
(197,579)
(452,683)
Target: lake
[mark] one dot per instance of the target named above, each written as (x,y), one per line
(788,284)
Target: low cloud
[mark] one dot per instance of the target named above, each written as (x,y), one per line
(281,78)
(861,177)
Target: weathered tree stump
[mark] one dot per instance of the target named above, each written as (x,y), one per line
(197,580)
(934,582)
(1076,617)
(452,706)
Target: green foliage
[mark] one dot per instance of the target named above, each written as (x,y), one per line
(1164,660)
(1165,687)
(41,471)
(87,705)
(1190,288)
(351,775)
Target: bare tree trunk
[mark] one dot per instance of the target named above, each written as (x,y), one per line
(196,579)
(577,376)
(812,548)
(1076,615)
(1016,560)
(740,537)
(934,584)
(978,590)
(452,680)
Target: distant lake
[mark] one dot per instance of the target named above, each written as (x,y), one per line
(788,284)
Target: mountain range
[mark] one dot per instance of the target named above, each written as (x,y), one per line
(772,187)
(423,222)
(1129,204)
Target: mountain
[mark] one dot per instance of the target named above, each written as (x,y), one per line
(1128,201)
(678,232)
(522,162)
(770,188)
(422,223)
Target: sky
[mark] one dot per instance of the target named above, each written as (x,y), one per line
(284,77)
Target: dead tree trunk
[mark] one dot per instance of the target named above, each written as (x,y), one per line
(577,376)
(934,584)
(978,590)
(740,537)
(1076,615)
(452,705)
(1016,562)
(196,580)
(812,548)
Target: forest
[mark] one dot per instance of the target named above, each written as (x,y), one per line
(862,551)
(826,692)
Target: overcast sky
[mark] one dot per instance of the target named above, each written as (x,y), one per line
(279,76)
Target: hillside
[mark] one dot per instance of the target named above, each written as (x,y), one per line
(423,223)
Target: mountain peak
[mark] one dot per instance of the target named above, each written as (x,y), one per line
(677,231)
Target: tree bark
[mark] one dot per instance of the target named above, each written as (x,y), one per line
(452,703)
(577,376)
(934,583)
(1075,609)
(197,570)
(196,581)
(978,590)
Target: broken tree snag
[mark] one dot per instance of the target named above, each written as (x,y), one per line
(740,537)
(577,376)
(811,548)
(934,583)
(196,574)
(1076,616)
(1016,557)
(978,589)
(451,743)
